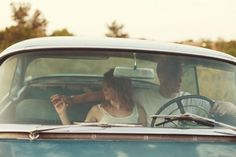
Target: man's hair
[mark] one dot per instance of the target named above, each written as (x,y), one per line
(168,67)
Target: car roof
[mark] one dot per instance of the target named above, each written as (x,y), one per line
(114,43)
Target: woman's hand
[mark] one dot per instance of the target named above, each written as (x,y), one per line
(61,107)
(60,104)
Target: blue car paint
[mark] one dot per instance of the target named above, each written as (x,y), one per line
(77,148)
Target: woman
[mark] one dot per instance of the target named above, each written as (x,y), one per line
(118,106)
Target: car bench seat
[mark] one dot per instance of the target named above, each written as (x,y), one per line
(41,111)
(36,111)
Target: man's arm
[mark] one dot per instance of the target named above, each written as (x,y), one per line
(224,108)
(86,97)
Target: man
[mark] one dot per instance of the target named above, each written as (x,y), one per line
(170,74)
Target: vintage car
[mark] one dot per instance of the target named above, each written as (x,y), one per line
(194,117)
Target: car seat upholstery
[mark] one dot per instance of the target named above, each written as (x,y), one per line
(41,111)
(36,111)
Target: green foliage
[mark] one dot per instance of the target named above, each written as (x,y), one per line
(228,47)
(26,26)
(62,32)
(116,31)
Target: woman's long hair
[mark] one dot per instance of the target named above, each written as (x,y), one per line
(123,88)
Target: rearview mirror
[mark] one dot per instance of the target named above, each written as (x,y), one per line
(131,72)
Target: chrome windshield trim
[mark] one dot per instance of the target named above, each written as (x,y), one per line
(21,128)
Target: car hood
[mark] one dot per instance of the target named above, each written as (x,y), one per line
(72,141)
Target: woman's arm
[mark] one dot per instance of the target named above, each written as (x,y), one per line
(64,118)
(61,108)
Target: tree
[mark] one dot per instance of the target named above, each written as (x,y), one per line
(116,31)
(26,26)
(62,32)
(227,47)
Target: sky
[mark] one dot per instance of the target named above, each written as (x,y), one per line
(162,20)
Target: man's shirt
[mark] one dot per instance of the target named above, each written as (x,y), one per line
(152,100)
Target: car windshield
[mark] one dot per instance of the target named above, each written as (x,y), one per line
(72,86)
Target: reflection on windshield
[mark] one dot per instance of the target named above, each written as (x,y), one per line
(210,150)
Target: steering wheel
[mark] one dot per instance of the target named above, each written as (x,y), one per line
(201,105)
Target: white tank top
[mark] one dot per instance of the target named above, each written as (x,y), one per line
(108,118)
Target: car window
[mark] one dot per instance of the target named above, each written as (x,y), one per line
(7,73)
(217,83)
(89,81)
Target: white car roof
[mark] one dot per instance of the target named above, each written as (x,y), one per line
(114,43)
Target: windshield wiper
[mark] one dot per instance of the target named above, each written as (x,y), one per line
(193,118)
